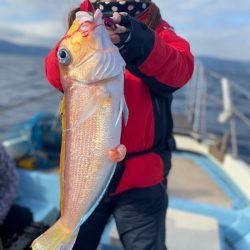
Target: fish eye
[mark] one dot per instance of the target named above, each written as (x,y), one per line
(64,56)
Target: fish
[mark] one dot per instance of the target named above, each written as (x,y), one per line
(92,77)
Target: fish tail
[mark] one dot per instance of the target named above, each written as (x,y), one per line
(58,237)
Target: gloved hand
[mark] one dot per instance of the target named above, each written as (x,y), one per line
(120,31)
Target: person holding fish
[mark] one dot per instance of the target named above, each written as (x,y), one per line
(158,62)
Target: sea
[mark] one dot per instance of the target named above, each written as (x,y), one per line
(24,92)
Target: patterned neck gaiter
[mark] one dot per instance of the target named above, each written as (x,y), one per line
(133,7)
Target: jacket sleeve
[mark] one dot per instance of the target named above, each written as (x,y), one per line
(52,69)
(162,60)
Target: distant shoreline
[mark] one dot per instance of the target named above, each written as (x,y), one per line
(16,49)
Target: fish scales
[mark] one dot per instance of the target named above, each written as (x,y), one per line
(94,133)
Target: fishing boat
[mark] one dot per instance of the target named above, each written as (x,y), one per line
(209,185)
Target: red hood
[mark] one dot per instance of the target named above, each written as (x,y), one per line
(86,5)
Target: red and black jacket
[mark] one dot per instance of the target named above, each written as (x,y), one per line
(158,63)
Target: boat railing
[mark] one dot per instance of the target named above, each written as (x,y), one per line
(230,111)
(198,98)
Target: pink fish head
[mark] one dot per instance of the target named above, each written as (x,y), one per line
(86,53)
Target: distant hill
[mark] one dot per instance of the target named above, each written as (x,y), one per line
(17,49)
(222,65)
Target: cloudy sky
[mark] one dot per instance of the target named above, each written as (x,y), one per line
(219,28)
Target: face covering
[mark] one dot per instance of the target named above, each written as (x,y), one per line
(133,8)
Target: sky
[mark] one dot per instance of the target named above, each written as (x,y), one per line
(216,28)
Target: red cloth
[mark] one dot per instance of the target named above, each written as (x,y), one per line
(87,6)
(175,62)
(171,63)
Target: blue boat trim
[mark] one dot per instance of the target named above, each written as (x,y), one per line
(234,223)
(239,200)
(41,194)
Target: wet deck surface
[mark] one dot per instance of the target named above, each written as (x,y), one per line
(189,181)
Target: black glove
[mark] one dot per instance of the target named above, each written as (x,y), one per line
(125,36)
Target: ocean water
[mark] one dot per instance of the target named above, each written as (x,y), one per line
(25,92)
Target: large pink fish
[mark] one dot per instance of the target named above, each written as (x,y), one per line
(92,76)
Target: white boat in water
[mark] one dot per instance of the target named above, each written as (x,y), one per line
(209,186)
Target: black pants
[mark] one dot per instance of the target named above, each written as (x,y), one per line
(139,215)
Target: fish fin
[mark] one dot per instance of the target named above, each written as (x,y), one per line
(119,113)
(89,109)
(98,17)
(58,237)
(70,242)
(125,111)
(62,154)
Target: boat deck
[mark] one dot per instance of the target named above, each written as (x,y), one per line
(189,181)
(181,124)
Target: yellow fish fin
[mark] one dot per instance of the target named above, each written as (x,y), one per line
(62,152)
(58,237)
